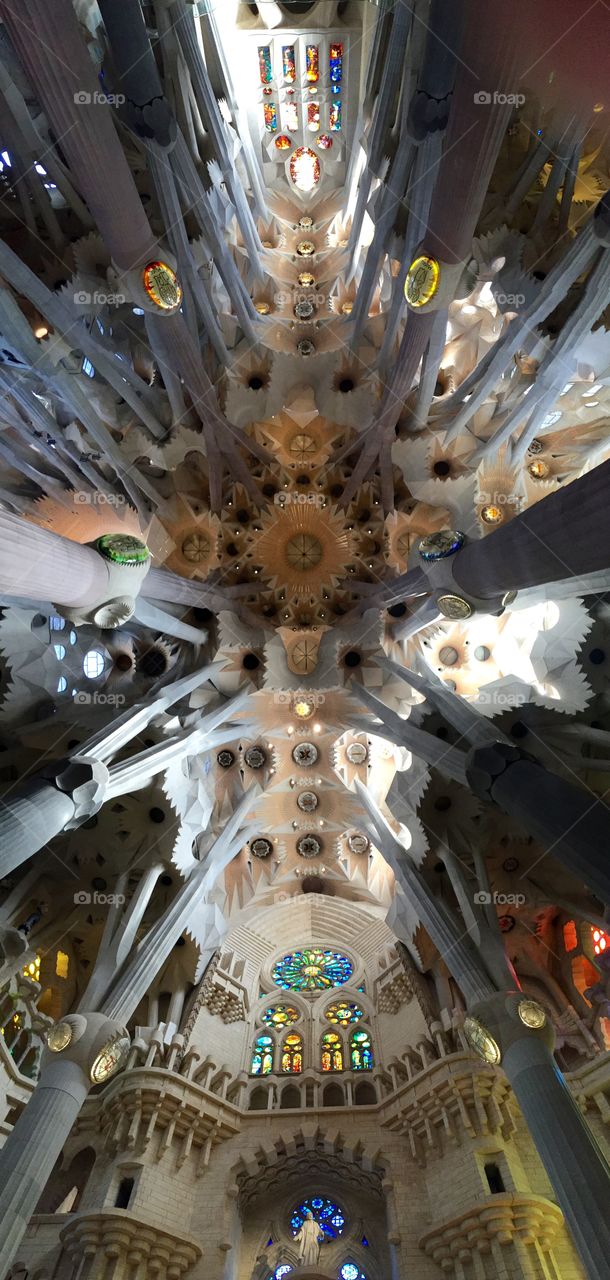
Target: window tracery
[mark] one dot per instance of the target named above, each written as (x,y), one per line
(292,1054)
(332,1052)
(312,969)
(262,1056)
(361,1051)
(329,1216)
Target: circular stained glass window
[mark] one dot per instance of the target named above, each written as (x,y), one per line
(349,1271)
(343,1013)
(312,970)
(329,1217)
(305,169)
(279,1015)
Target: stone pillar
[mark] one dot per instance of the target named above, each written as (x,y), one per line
(568,1150)
(71,792)
(31,1149)
(394,1236)
(565,535)
(36,564)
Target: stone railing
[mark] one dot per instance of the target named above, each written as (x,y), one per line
(148,1108)
(511,1235)
(22,1026)
(128,1245)
(591,1085)
(22,1032)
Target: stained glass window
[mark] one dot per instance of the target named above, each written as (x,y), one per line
(279,1015)
(288,63)
(290,117)
(262,1056)
(328,1215)
(313,116)
(601,941)
(312,970)
(312,63)
(332,1052)
(270,113)
(292,1054)
(304,169)
(344,1012)
(350,1271)
(336,64)
(361,1051)
(264,63)
(335,114)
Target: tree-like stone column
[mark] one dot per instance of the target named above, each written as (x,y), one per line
(568,1150)
(565,535)
(36,564)
(31,1149)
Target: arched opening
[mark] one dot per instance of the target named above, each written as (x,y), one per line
(494,1179)
(365,1094)
(333,1096)
(64,1190)
(291,1097)
(258,1100)
(124,1192)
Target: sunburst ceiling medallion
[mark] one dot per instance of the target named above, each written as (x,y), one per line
(304,548)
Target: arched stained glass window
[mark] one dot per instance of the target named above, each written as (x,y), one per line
(312,970)
(329,1217)
(292,1054)
(280,1271)
(279,1015)
(361,1051)
(262,1056)
(332,1052)
(344,1012)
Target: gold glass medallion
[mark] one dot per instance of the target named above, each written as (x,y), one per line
(59,1037)
(454,607)
(422,280)
(161,284)
(481,1042)
(531,1013)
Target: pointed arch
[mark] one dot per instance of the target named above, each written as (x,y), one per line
(292,1054)
(332,1058)
(261,1063)
(361,1050)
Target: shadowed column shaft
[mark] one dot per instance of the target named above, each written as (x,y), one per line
(36,564)
(567,534)
(567,1148)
